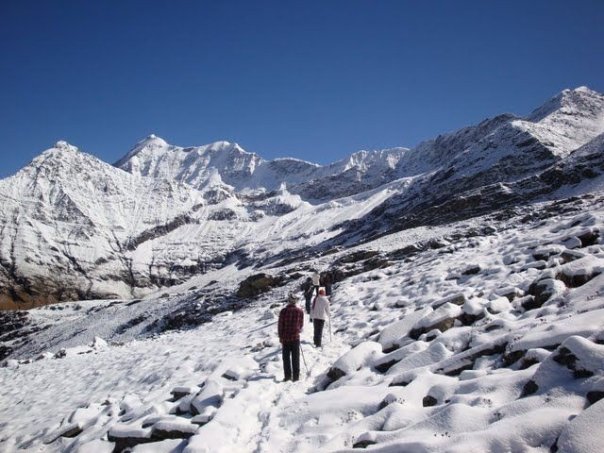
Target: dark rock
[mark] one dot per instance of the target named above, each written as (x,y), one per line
(443,325)
(576,280)
(566,358)
(131,323)
(383,367)
(545,254)
(530,303)
(191,315)
(554,448)
(257,284)
(69,431)
(405,252)
(429,401)
(541,290)
(357,256)
(180,392)
(471,270)
(465,359)
(512,357)
(463,366)
(363,444)
(401,383)
(73,431)
(5,351)
(335,373)
(509,293)
(223,214)
(467,319)
(589,238)
(457,299)
(529,388)
(527,363)
(168,430)
(123,444)
(594,396)
(375,263)
(570,255)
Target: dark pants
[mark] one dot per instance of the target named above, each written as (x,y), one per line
(308,301)
(291,359)
(318,324)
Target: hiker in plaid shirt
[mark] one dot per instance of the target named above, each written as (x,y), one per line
(291,321)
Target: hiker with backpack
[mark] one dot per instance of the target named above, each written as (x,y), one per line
(328,282)
(307,290)
(319,314)
(316,281)
(291,322)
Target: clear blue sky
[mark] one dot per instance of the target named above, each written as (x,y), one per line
(311,79)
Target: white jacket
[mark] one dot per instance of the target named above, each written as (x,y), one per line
(320,308)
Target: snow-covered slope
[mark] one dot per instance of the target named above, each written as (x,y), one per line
(482,335)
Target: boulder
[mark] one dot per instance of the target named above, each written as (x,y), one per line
(257,284)
(429,401)
(585,432)
(442,319)
(173,430)
(509,292)
(362,355)
(69,430)
(210,395)
(180,392)
(126,436)
(542,290)
(579,272)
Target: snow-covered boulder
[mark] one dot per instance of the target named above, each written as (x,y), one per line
(173,429)
(499,305)
(442,319)
(362,355)
(575,358)
(584,433)
(579,272)
(542,290)
(98,343)
(127,436)
(182,391)
(392,335)
(210,395)
(240,369)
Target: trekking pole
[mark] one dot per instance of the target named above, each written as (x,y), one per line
(330,329)
(304,360)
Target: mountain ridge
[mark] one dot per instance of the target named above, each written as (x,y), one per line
(76,227)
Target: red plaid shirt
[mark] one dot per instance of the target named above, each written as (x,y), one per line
(291,320)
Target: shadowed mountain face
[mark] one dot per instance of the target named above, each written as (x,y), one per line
(74,227)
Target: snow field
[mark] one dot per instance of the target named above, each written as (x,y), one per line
(454,349)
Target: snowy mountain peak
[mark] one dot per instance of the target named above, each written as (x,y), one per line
(60,152)
(152,140)
(151,143)
(580,100)
(63,145)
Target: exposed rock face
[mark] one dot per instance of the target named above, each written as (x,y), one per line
(257,284)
